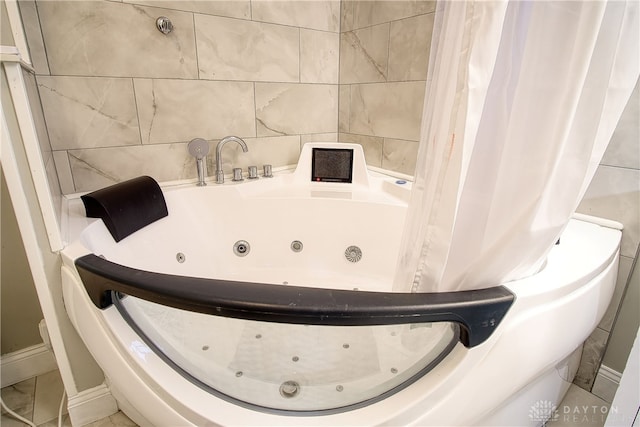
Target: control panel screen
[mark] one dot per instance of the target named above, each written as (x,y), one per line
(332,165)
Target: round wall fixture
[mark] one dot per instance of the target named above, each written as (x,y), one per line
(353,254)
(164,25)
(241,248)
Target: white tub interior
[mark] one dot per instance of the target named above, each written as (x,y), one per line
(326,367)
(204,223)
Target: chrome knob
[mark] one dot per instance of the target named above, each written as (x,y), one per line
(237,174)
(253,172)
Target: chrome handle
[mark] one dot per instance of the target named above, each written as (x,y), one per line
(267,173)
(237,174)
(253,172)
(202,172)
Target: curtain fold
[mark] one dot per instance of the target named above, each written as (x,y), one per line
(522,100)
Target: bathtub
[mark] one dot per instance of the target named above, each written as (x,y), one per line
(268,302)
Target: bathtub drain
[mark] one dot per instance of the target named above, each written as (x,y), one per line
(289,389)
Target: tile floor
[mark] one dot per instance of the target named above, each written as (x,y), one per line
(580,408)
(38,399)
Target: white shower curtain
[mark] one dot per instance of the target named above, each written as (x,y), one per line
(522,100)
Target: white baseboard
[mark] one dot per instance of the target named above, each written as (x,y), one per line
(610,374)
(606,383)
(26,363)
(91,405)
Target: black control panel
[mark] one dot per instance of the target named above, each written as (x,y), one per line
(332,165)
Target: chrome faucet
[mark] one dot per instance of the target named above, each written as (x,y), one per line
(223,141)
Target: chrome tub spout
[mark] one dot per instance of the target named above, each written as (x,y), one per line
(223,141)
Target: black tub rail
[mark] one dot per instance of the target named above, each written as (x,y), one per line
(477,312)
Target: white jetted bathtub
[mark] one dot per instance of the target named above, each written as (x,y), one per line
(268,302)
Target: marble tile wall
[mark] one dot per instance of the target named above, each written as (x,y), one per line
(614,193)
(384,54)
(121,99)
(46,148)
